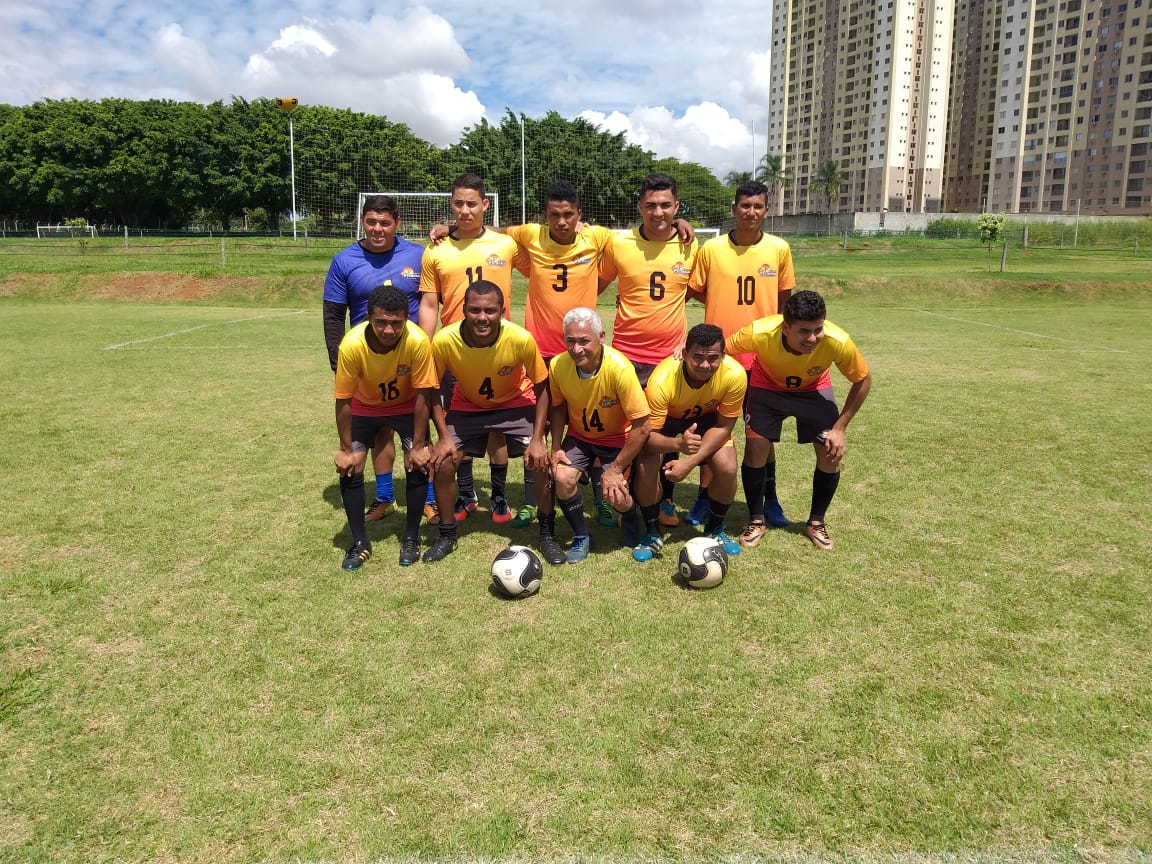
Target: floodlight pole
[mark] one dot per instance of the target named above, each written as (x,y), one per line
(523,184)
(288,104)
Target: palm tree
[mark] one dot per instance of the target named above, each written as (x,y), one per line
(734,178)
(775,176)
(829,181)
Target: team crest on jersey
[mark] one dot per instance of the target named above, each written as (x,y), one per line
(403,370)
(607,402)
(766,270)
(505,370)
(583,259)
(680,269)
(711,403)
(815,370)
(495,261)
(408,273)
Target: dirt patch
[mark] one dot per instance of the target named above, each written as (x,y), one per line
(158,287)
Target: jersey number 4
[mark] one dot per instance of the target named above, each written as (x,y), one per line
(486,388)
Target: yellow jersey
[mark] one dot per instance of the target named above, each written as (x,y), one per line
(602,406)
(777,368)
(499,376)
(450,266)
(383,385)
(670,395)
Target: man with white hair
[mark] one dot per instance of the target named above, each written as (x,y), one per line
(598,412)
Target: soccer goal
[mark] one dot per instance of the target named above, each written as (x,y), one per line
(65,230)
(703,234)
(419,211)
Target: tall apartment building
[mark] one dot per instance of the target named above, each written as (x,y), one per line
(965,105)
(863,83)
(1056,114)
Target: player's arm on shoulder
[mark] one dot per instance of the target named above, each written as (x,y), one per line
(741,342)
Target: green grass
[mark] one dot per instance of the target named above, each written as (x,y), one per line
(185,673)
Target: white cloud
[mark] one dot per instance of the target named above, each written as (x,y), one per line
(705,133)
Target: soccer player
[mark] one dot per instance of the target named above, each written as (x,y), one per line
(741,277)
(385,383)
(652,268)
(471,253)
(694,403)
(501,386)
(379,258)
(791,377)
(597,397)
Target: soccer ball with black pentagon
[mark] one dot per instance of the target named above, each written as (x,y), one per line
(703,562)
(517,572)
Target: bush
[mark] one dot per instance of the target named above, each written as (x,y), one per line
(951,229)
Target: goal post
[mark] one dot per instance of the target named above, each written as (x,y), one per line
(65,231)
(419,211)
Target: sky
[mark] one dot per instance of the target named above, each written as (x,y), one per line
(682,79)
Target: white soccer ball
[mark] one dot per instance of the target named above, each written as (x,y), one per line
(517,572)
(703,562)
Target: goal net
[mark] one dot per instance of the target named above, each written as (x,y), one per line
(703,234)
(419,211)
(65,231)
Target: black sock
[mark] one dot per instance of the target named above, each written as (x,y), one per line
(547,524)
(667,487)
(415,491)
(448,530)
(753,480)
(596,476)
(650,518)
(352,494)
(823,488)
(702,492)
(499,479)
(770,481)
(717,513)
(464,481)
(574,512)
(529,488)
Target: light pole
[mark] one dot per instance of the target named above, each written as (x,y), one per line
(523,185)
(288,104)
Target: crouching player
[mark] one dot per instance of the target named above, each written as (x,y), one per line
(597,396)
(385,383)
(791,378)
(693,404)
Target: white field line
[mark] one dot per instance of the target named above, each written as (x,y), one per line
(119,345)
(1082,344)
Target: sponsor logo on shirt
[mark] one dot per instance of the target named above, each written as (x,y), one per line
(505,370)
(815,370)
(680,269)
(403,370)
(408,273)
(583,259)
(607,402)
(711,403)
(766,270)
(496,261)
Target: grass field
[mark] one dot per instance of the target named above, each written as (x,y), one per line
(187,675)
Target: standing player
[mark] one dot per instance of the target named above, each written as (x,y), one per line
(596,395)
(379,258)
(501,386)
(471,253)
(694,404)
(385,383)
(652,267)
(791,378)
(741,277)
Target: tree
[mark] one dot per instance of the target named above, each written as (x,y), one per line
(991,228)
(733,179)
(829,180)
(704,200)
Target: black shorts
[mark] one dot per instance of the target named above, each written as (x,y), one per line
(673,426)
(581,454)
(644,371)
(365,429)
(815,412)
(469,429)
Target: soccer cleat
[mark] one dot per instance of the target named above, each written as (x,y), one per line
(753,534)
(817,532)
(721,537)
(523,517)
(551,549)
(358,554)
(379,510)
(774,515)
(698,515)
(501,512)
(578,551)
(441,549)
(409,551)
(432,513)
(606,516)
(466,506)
(668,517)
(648,548)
